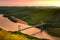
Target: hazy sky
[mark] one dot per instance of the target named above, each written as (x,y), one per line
(30,3)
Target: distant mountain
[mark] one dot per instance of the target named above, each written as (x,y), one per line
(31,6)
(46,7)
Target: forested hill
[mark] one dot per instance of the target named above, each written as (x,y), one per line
(33,15)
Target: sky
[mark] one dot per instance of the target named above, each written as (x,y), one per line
(30,3)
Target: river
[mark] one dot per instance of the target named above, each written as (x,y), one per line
(8,25)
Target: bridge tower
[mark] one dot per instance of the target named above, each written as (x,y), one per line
(19,28)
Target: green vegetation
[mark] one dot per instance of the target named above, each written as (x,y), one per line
(33,15)
(4,35)
(7,35)
(54,31)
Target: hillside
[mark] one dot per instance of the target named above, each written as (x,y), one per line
(54,31)
(33,15)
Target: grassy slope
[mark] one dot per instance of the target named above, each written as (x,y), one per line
(4,35)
